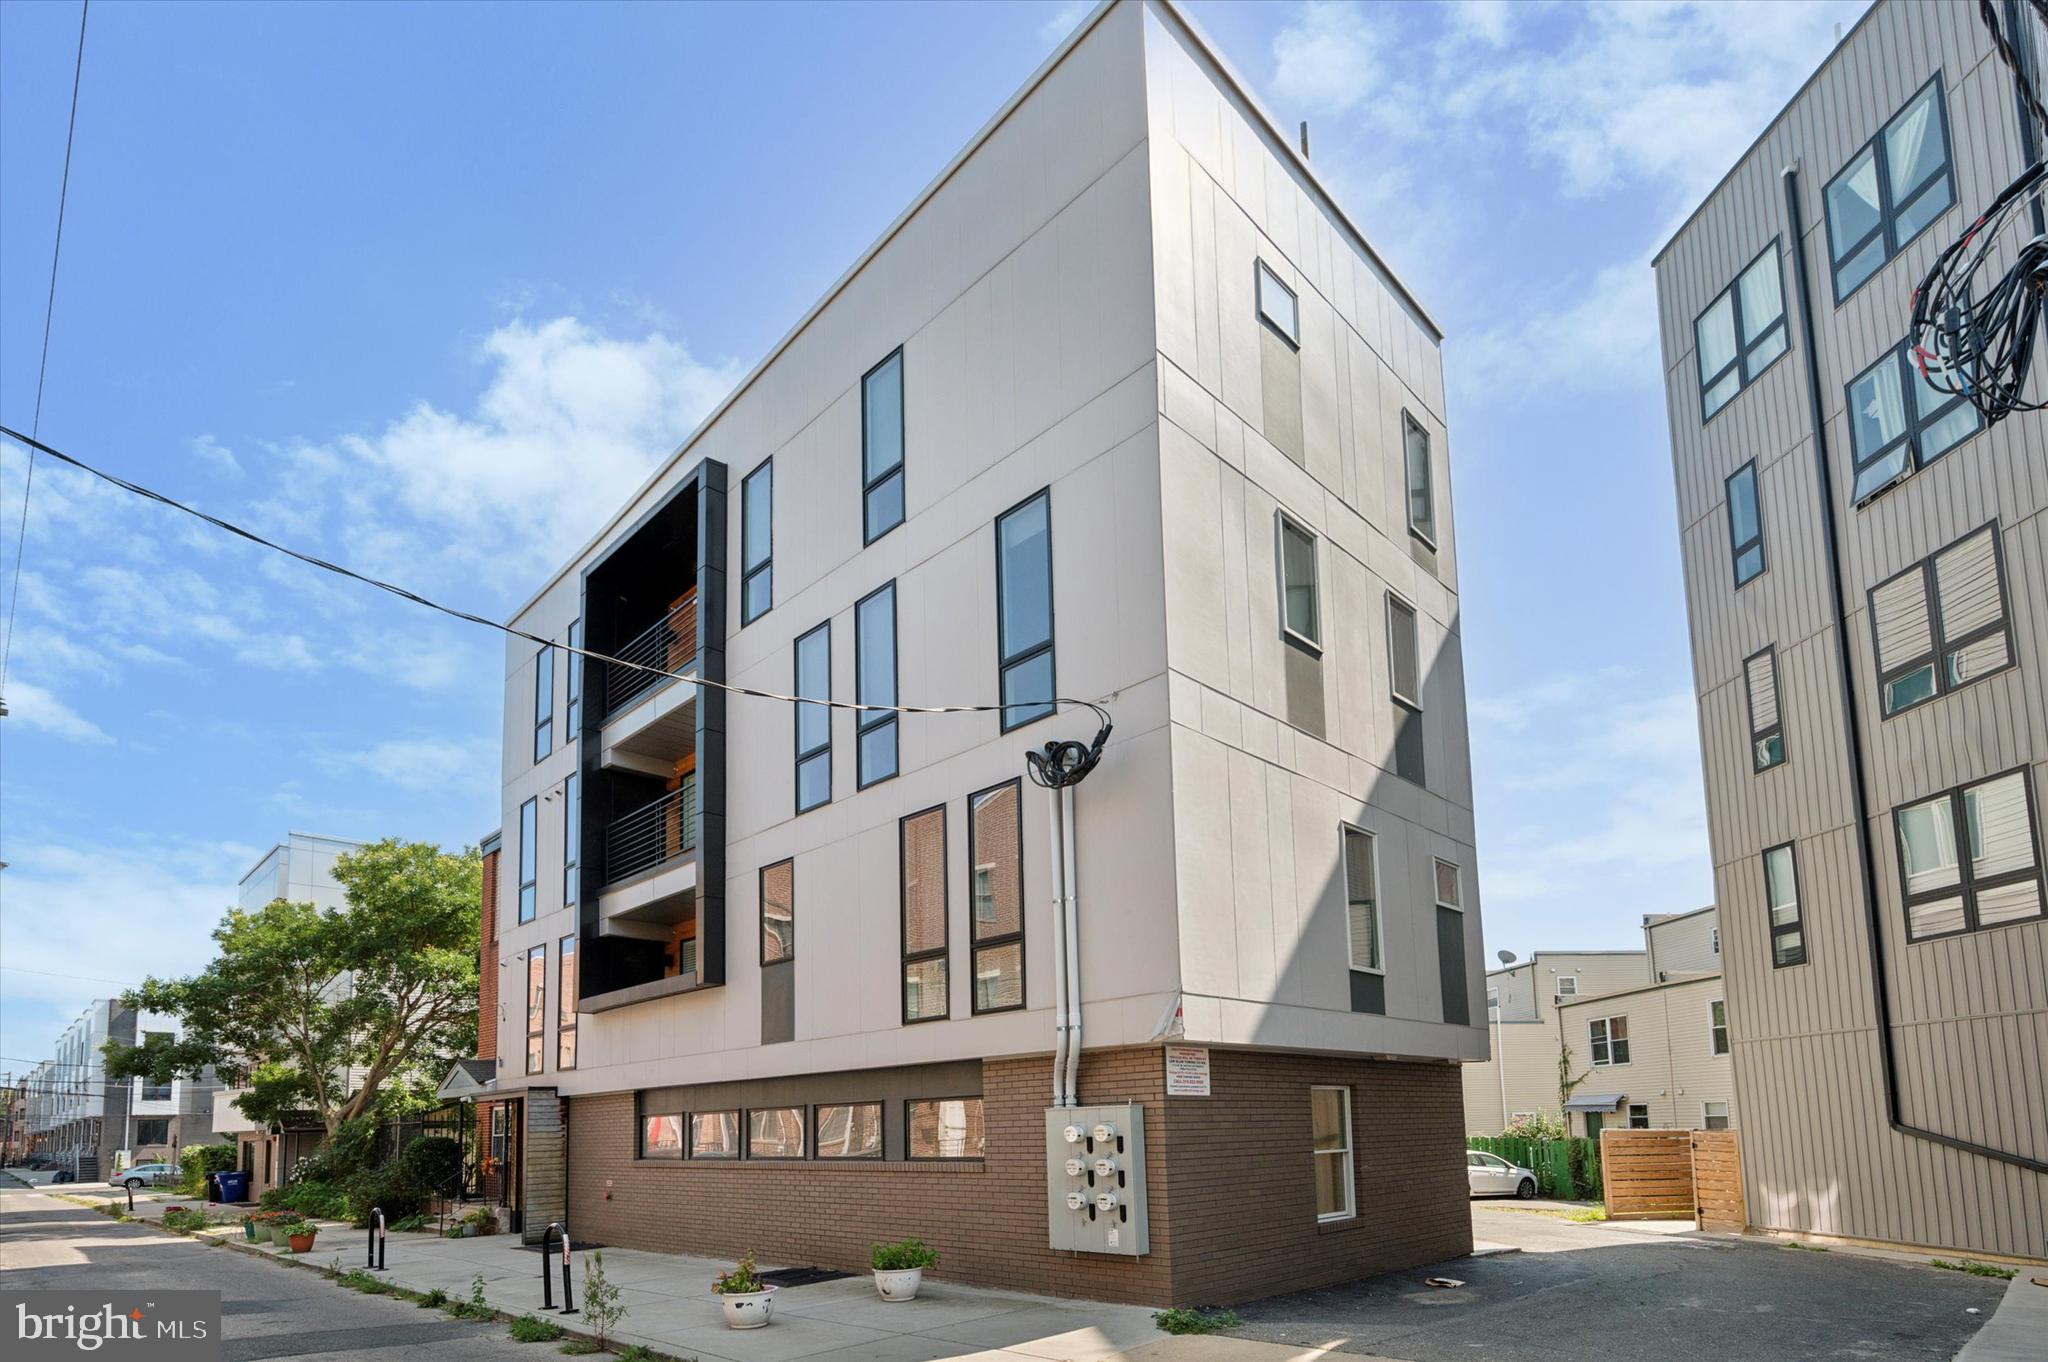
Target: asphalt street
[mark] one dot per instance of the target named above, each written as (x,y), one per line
(267,1309)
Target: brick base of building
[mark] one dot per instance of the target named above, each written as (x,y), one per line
(1230,1181)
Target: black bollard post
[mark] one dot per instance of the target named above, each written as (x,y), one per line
(129,1188)
(373,1244)
(547,1283)
(568,1301)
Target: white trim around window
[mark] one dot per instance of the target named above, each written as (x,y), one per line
(1607,1036)
(1717,1028)
(1727,1114)
(1332,1146)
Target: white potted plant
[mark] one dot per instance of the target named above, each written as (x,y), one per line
(749,1302)
(899,1268)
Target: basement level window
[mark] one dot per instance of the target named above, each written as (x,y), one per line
(945,1128)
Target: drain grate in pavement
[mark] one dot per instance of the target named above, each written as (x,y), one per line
(801,1276)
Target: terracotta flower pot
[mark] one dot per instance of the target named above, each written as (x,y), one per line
(302,1243)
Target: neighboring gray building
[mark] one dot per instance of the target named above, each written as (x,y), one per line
(77,1119)
(1123,406)
(1866,573)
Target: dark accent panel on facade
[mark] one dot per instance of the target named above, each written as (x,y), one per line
(891,1087)
(1423,554)
(1408,746)
(1281,399)
(1450,964)
(711,754)
(1369,993)
(778,1003)
(1305,708)
(546,1176)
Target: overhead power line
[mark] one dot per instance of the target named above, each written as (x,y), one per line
(36,446)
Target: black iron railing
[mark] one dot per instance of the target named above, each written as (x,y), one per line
(652,834)
(671,645)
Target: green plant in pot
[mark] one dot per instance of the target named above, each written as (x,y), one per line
(299,1236)
(749,1302)
(899,1268)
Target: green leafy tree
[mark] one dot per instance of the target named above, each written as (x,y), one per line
(339,1013)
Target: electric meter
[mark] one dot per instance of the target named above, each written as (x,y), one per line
(1077,1201)
(1075,1168)
(1105,1132)
(1105,1168)
(1075,1134)
(1105,1200)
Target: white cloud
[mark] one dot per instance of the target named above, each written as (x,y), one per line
(1327,60)
(31,706)
(1578,335)
(426,763)
(214,454)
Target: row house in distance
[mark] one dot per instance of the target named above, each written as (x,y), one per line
(1866,572)
(1121,406)
(76,1118)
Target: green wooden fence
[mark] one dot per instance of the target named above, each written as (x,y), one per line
(1567,1169)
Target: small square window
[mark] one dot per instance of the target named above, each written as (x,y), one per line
(850,1131)
(948,1128)
(775,1133)
(1278,307)
(1638,1116)
(714,1134)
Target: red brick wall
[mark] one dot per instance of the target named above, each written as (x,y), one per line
(1230,1193)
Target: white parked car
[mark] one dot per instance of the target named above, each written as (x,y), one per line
(145,1175)
(1492,1175)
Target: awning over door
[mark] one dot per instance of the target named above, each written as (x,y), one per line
(1595,1102)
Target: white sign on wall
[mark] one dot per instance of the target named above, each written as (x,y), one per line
(1187,1071)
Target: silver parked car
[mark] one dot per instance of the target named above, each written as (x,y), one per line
(145,1175)
(1492,1175)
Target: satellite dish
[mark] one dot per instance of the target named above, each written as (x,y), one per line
(1506,957)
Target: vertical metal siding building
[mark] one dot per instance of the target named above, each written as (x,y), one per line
(1891,1054)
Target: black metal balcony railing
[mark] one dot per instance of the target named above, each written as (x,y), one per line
(652,834)
(671,644)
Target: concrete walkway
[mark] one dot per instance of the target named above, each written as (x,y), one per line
(2018,1329)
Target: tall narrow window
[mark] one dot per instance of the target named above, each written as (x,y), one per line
(1278,307)
(1024,657)
(923,866)
(1607,1040)
(1898,421)
(573,728)
(995,853)
(566,1000)
(1404,654)
(874,683)
(529,828)
(572,837)
(1745,525)
(1742,332)
(543,702)
(1450,943)
(1717,1026)
(1361,901)
(536,1008)
(1890,191)
(1967,858)
(881,447)
(1942,623)
(1766,725)
(1329,1123)
(757,543)
(1421,486)
(814,722)
(778,913)
(1300,604)
(1781,891)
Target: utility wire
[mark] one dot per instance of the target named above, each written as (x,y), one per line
(43,367)
(149,494)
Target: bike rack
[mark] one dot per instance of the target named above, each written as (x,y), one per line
(547,1294)
(373,1247)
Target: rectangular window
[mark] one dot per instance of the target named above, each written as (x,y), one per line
(566,999)
(1942,623)
(1890,190)
(778,913)
(1742,332)
(1745,525)
(1898,421)
(948,1128)
(1717,1025)
(1714,1115)
(1330,1137)
(995,854)
(757,543)
(543,702)
(1607,1038)
(151,1130)
(714,1134)
(1492,999)
(1421,486)
(1567,985)
(529,819)
(881,447)
(536,1008)
(1404,653)
(1450,889)
(573,728)
(1781,895)
(874,683)
(775,1133)
(1278,307)
(661,1137)
(572,837)
(1024,656)
(850,1131)
(1967,858)
(1638,1116)
(1717,940)
(814,722)
(1766,724)
(923,867)
(1300,603)
(1361,900)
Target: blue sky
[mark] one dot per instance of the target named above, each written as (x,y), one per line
(368,277)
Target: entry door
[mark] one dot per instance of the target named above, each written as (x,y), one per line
(1594,1120)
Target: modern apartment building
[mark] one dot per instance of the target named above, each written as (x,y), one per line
(162,1118)
(76,1116)
(1124,407)
(1866,571)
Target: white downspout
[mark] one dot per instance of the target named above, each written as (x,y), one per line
(1073,950)
(1058,881)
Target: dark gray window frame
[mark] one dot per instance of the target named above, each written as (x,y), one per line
(1397,602)
(1282,523)
(1967,883)
(1917,425)
(1775,729)
(641,1117)
(1261,272)
(817,1148)
(1740,364)
(977,944)
(536,1032)
(1798,923)
(749,569)
(544,702)
(1943,646)
(1737,548)
(1005,659)
(567,950)
(1409,425)
(529,860)
(803,1112)
(871,721)
(824,749)
(910,1157)
(761,902)
(941,952)
(572,839)
(739,1125)
(1345,832)
(1887,210)
(869,483)
(573,717)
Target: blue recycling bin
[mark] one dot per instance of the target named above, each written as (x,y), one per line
(234,1185)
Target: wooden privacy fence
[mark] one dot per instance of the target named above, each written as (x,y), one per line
(1674,1174)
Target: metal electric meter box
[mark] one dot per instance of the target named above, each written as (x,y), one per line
(1095,1179)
